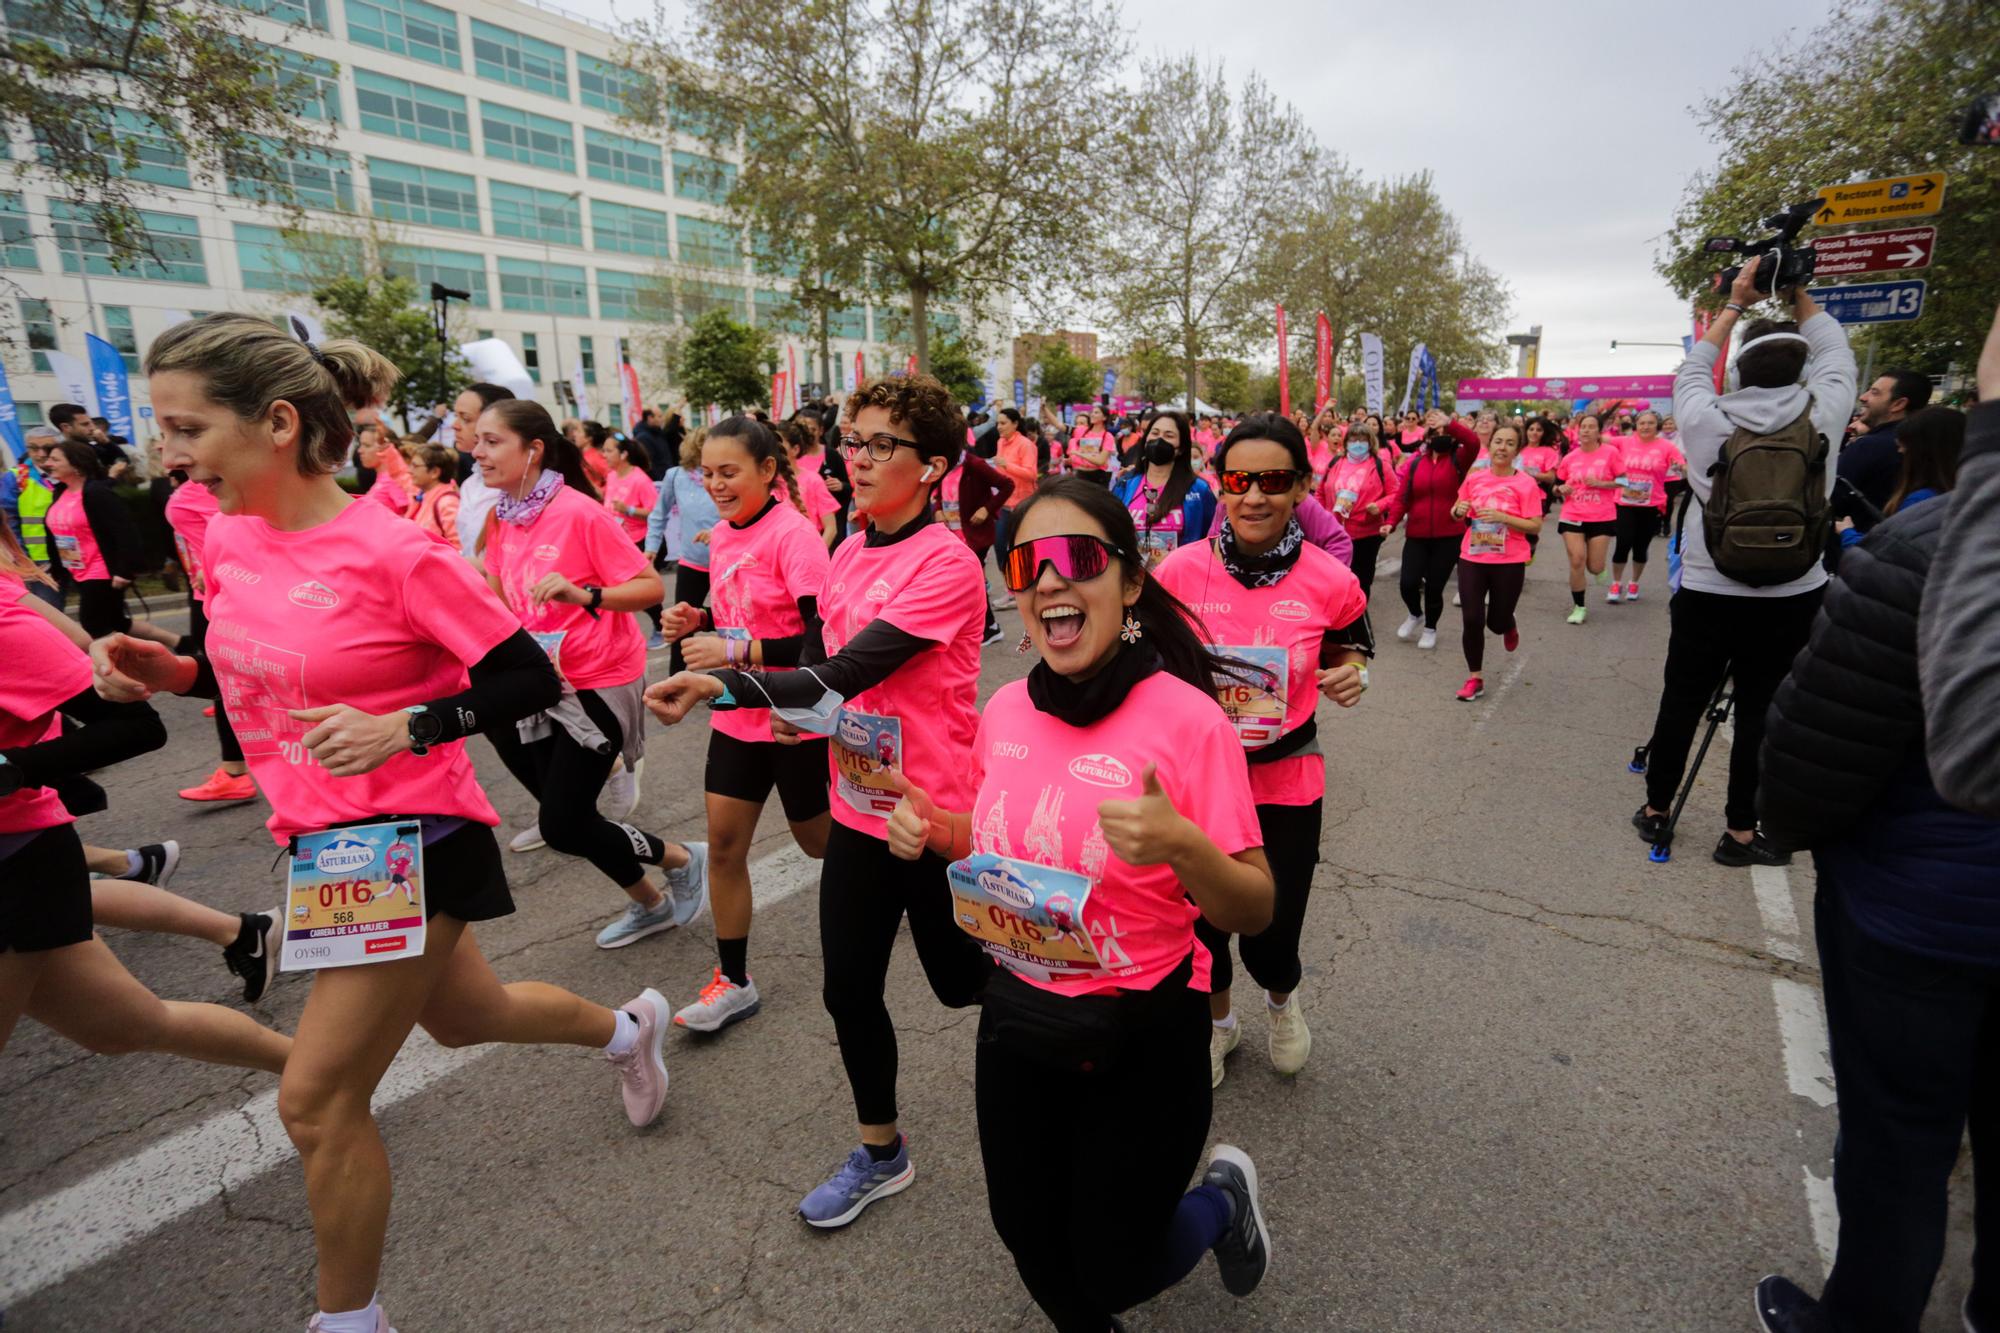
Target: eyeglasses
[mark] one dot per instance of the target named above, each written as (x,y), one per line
(1076,558)
(881,448)
(1275,482)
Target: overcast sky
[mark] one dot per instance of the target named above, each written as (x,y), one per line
(1559,131)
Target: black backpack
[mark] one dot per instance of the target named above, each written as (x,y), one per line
(1766,520)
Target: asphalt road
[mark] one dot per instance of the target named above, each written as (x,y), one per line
(1553,1086)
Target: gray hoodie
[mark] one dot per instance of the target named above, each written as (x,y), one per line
(1706,421)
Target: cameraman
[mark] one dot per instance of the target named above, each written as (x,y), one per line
(1720,627)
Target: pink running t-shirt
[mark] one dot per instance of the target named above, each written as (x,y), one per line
(929,585)
(1040,780)
(1157,540)
(75,544)
(1277,629)
(189,509)
(1352,486)
(363,610)
(389,493)
(760,572)
(575,537)
(1647,467)
(1590,503)
(815,495)
(635,488)
(1538,457)
(1488,541)
(43,669)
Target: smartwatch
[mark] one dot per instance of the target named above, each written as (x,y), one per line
(596,599)
(426,729)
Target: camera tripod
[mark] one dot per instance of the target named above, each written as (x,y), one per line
(1719,707)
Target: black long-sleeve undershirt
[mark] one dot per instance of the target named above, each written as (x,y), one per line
(870,658)
(104,733)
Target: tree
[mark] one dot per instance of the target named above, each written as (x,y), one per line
(1227,384)
(1066,377)
(1205,169)
(120,95)
(1156,372)
(928,152)
(382,310)
(1878,91)
(953,364)
(725,362)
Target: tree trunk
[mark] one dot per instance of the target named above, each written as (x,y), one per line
(920,323)
(825,349)
(1188,340)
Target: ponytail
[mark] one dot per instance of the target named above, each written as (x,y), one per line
(532,422)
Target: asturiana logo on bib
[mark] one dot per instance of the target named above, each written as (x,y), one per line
(852,734)
(1289,610)
(879,590)
(315,594)
(1100,770)
(1008,887)
(343,856)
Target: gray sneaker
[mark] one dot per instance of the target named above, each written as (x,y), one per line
(687,887)
(635,923)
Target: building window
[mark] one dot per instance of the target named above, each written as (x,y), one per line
(525,62)
(775,310)
(29,414)
(587,358)
(849,323)
(175,242)
(523,136)
(315,82)
(628,230)
(698,298)
(425,265)
(313,177)
(536,215)
(409,193)
(17,243)
(269,261)
(406,27)
(702,178)
(410,111)
(160,160)
(309,13)
(706,244)
(613,157)
(614,416)
(531,357)
(631,296)
(557,289)
(609,87)
(688,113)
(118,332)
(38,321)
(484,334)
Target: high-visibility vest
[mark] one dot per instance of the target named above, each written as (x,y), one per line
(35,501)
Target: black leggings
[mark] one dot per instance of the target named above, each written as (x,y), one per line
(991,623)
(565,779)
(1091,1242)
(197,636)
(1427,563)
(1477,583)
(864,893)
(1637,526)
(690,586)
(1366,549)
(1291,845)
(100,608)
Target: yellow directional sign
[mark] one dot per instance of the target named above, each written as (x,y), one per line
(1881,201)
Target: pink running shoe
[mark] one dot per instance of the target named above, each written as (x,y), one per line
(642,1074)
(1511,640)
(222,785)
(1472,689)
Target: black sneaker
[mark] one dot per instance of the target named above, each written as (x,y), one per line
(994,635)
(1783,1308)
(1651,827)
(254,955)
(1756,852)
(157,862)
(1244,1252)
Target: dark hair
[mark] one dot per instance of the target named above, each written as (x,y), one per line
(489,394)
(1774,365)
(63,413)
(1912,386)
(596,432)
(531,421)
(1164,621)
(82,457)
(923,405)
(363,427)
(627,445)
(439,458)
(1011,415)
(1552,436)
(1931,440)
(1181,479)
(1266,426)
(760,441)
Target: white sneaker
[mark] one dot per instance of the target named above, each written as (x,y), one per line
(721,1003)
(1455,601)
(1291,1040)
(1409,627)
(1221,1041)
(527,840)
(620,796)
(1429,639)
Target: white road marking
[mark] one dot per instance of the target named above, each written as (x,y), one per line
(1774,905)
(1498,692)
(45,1241)
(1825,1214)
(1802,1025)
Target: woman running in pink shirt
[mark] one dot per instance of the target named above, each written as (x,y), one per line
(1502,510)
(1652,462)
(1587,481)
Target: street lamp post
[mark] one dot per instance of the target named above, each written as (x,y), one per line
(548,288)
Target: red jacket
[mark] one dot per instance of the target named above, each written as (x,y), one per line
(1430,482)
(980,486)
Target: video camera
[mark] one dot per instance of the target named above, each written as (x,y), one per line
(1788,265)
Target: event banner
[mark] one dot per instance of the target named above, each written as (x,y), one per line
(628,383)
(1371,371)
(1322,362)
(1284,369)
(860,372)
(73,378)
(579,392)
(1581,386)
(114,391)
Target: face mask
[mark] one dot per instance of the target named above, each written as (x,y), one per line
(818,719)
(1357,451)
(1159,452)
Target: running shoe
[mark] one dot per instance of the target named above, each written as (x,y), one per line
(687,887)
(208,711)
(1221,1041)
(635,923)
(1244,1253)
(994,635)
(1455,601)
(1613,593)
(1409,627)
(620,796)
(1756,852)
(1783,1308)
(1577,615)
(1651,827)
(157,862)
(381,1323)
(1429,638)
(254,955)
(222,785)
(1291,1041)
(1631,592)
(1511,640)
(1474,687)
(720,1003)
(642,1074)
(527,840)
(657,642)
(860,1181)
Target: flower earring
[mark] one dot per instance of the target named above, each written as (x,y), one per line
(1131,631)
(1024,646)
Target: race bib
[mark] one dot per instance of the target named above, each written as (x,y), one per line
(550,642)
(948,510)
(1488,537)
(1157,545)
(865,747)
(70,551)
(355,895)
(1253,693)
(1028,917)
(1635,490)
(1343,502)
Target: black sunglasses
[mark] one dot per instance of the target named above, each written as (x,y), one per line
(1275,482)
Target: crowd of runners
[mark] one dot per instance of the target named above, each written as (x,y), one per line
(1075,854)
